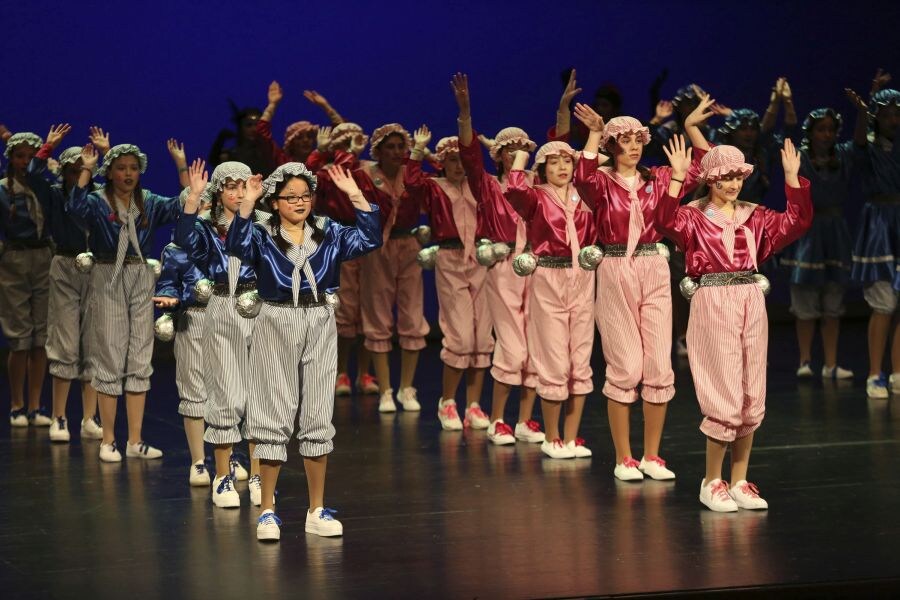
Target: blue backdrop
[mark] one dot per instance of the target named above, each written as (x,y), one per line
(148,71)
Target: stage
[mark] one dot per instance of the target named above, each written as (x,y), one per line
(432,514)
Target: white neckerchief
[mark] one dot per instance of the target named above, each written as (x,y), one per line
(127,233)
(299,255)
(742,212)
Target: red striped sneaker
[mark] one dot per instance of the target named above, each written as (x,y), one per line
(342,385)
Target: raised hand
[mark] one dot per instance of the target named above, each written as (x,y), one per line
(316,98)
(570,92)
(703,111)
(254,191)
(89,156)
(198,176)
(343,180)
(323,138)
(777,90)
(460,85)
(520,160)
(880,80)
(854,98)
(57,133)
(486,141)
(664,110)
(790,160)
(275,93)
(176,151)
(786,93)
(99,138)
(679,156)
(421,137)
(5,133)
(589,117)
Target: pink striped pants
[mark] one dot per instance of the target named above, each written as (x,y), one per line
(391,276)
(348,315)
(463,315)
(634,315)
(728,339)
(561,331)
(507,300)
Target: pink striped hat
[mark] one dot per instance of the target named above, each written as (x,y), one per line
(553,149)
(446,146)
(723,160)
(295,129)
(621,125)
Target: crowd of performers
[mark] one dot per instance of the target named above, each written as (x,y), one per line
(285,258)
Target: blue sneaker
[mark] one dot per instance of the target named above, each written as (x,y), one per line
(321,521)
(268,528)
(18,417)
(876,386)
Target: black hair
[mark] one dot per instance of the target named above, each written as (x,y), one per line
(610,147)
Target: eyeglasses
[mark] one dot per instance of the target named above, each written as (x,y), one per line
(307,197)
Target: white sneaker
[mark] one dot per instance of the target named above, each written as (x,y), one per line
(199,474)
(448,416)
(407,398)
(268,527)
(237,469)
(876,386)
(805,370)
(59,430)
(894,381)
(500,433)
(475,417)
(579,449)
(530,431)
(386,403)
(109,453)
(91,430)
(142,450)
(628,470)
(655,468)
(255,486)
(746,496)
(39,418)
(223,493)
(716,497)
(18,418)
(836,372)
(556,449)
(321,521)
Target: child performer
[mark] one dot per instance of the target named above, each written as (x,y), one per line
(467,342)
(226,334)
(560,293)
(24,276)
(725,240)
(506,292)
(122,219)
(633,308)
(293,356)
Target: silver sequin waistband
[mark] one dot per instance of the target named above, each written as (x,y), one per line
(618,250)
(736,278)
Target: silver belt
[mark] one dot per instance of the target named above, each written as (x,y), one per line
(735,278)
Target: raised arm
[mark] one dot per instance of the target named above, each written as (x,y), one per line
(176,151)
(861,129)
(782,228)
(460,86)
(99,138)
(320,101)
(239,241)
(564,113)
(704,110)
(367,235)
(78,203)
(38,164)
(521,196)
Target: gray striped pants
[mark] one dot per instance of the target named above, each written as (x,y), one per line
(293,356)
(189,363)
(24,287)
(226,369)
(122,323)
(69,320)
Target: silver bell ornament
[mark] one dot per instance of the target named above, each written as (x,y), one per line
(84,262)
(423,234)
(763,283)
(333,301)
(590,257)
(484,254)
(500,251)
(525,264)
(688,288)
(427,257)
(203,290)
(248,304)
(663,251)
(164,328)
(155,266)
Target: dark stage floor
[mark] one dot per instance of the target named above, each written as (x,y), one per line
(430,514)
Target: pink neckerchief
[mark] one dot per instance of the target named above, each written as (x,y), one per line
(521,231)
(742,212)
(569,207)
(464,207)
(635,213)
(394,189)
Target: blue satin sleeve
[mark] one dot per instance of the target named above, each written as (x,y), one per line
(189,236)
(365,237)
(169,282)
(160,209)
(244,240)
